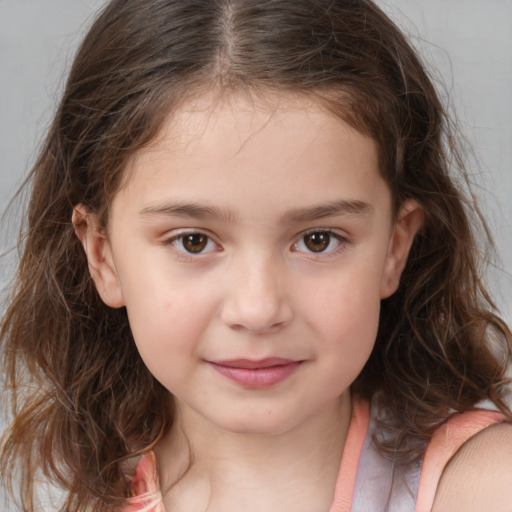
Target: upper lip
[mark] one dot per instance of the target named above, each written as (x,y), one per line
(251,364)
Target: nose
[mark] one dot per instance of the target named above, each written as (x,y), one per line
(256,301)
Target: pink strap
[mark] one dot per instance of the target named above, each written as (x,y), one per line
(443,445)
(345,485)
(145,488)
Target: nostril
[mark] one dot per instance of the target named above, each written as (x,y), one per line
(268,329)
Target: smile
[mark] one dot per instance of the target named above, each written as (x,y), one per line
(256,374)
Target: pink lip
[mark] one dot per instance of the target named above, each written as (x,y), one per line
(260,374)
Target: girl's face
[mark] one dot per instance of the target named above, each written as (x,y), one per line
(251,245)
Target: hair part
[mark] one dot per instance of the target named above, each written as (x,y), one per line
(84,403)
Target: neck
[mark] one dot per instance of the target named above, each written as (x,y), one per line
(203,467)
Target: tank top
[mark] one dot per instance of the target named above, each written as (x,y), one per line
(366,480)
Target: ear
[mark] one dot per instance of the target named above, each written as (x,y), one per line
(99,256)
(408,222)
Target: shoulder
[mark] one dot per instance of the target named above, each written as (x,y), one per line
(479,476)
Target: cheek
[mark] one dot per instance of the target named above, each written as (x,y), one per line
(346,311)
(350,297)
(351,332)
(167,317)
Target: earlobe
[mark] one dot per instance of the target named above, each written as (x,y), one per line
(407,224)
(99,256)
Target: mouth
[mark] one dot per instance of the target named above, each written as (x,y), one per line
(256,374)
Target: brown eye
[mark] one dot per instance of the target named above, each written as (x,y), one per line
(194,242)
(317,242)
(320,242)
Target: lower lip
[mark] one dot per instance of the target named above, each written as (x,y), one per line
(257,378)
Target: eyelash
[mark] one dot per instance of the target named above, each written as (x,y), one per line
(182,236)
(212,246)
(332,235)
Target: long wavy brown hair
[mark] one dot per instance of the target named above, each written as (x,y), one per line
(84,405)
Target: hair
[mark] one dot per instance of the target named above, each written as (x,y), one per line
(83,402)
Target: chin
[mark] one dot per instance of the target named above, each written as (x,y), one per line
(261,424)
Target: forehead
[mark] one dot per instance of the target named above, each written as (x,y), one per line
(201,118)
(279,147)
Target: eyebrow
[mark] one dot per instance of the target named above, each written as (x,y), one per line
(330,209)
(191,210)
(196,211)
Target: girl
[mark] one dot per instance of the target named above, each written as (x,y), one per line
(249,278)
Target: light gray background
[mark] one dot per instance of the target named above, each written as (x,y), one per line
(468,44)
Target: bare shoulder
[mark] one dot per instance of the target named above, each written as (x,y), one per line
(479,476)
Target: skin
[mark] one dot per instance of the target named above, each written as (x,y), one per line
(479,476)
(255,179)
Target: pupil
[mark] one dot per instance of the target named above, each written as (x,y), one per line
(195,242)
(317,242)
